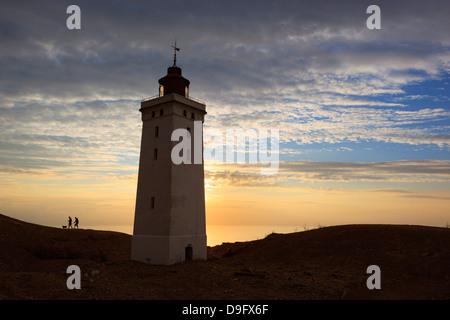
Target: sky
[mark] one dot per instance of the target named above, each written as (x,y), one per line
(363,115)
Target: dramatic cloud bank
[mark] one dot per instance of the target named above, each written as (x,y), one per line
(311,69)
(356,109)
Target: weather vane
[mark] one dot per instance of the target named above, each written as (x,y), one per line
(175,49)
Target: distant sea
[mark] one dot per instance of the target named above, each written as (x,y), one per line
(218,234)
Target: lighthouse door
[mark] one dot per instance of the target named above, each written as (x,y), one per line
(188,253)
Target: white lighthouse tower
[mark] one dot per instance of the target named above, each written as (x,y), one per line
(169,221)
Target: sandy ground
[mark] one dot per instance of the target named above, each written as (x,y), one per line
(326,263)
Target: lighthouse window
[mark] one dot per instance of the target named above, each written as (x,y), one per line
(153,114)
(152,204)
(192,115)
(161,112)
(184,113)
(156,131)
(155,154)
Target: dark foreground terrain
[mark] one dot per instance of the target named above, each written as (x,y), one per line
(325,263)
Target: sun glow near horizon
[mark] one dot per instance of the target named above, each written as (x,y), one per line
(236,196)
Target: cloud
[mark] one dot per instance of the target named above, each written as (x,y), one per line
(311,69)
(426,196)
(226,46)
(295,173)
(318,123)
(406,170)
(51,137)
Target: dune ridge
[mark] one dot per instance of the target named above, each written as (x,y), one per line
(325,263)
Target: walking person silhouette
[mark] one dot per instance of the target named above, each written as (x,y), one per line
(69,223)
(76,223)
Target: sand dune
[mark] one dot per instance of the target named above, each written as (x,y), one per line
(326,263)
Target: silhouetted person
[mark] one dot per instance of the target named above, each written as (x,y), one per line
(69,223)
(75,225)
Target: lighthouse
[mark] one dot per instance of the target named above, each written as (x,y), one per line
(169,221)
